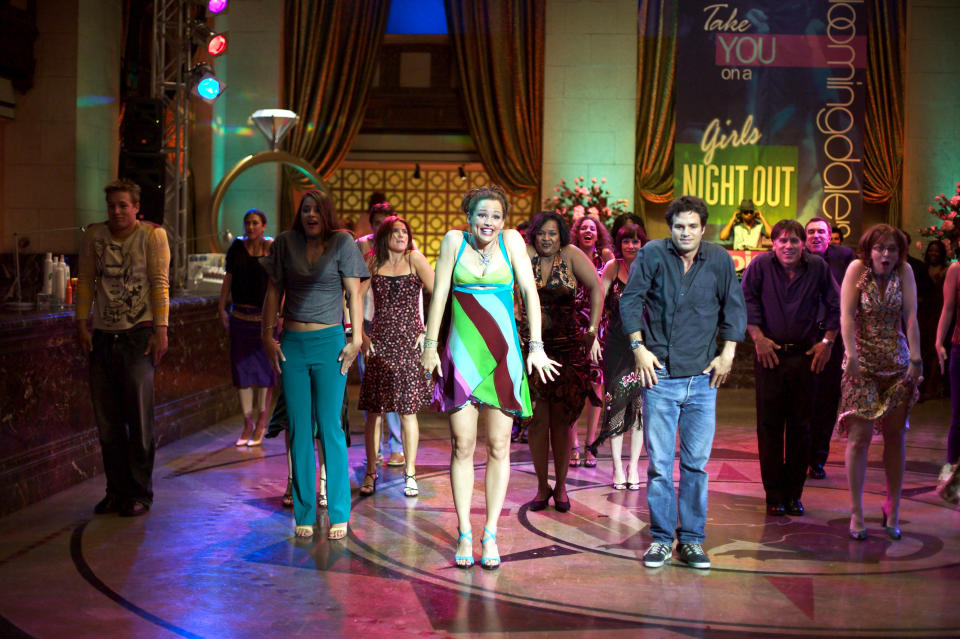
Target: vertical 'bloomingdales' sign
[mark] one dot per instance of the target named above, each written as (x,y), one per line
(770,102)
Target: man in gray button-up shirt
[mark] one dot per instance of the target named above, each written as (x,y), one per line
(682,294)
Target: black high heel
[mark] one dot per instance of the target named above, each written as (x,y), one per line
(367,490)
(892,532)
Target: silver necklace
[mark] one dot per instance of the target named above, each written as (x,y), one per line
(482,254)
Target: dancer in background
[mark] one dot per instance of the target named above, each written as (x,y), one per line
(591,237)
(558,267)
(246,285)
(623,396)
(393,380)
(827,395)
(948,483)
(882,367)
(379,209)
(481,365)
(311,267)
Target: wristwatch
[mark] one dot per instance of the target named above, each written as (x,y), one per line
(635,344)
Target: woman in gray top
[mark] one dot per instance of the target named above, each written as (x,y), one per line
(311,267)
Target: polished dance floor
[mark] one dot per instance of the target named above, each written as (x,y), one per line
(216,556)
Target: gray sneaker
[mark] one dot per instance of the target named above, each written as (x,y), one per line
(657,554)
(693,556)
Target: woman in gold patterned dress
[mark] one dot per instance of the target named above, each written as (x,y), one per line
(881,368)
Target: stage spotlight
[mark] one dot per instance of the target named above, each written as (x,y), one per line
(461,173)
(416,172)
(217,6)
(216,43)
(204,83)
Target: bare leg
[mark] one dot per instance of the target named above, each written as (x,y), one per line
(498,475)
(560,430)
(259,415)
(246,407)
(593,418)
(371,439)
(858,445)
(636,447)
(410,435)
(894,461)
(463,440)
(538,440)
(616,450)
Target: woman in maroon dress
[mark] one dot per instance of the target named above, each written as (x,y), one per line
(394,380)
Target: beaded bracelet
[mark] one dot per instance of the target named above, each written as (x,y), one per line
(535,346)
(430,343)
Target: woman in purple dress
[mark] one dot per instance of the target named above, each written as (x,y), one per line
(246,284)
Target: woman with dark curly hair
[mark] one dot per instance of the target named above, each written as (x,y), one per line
(311,267)
(881,368)
(591,237)
(558,268)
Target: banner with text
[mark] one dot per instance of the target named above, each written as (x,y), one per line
(770,107)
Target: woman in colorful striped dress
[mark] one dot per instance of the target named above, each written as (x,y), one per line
(481,364)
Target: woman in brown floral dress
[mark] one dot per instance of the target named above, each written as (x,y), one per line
(881,368)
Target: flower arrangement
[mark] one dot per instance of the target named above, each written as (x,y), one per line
(583,198)
(948,210)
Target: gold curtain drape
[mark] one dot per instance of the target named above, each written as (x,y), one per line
(498,48)
(883,128)
(656,90)
(330,54)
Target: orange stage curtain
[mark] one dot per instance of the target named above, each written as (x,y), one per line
(498,47)
(656,91)
(330,53)
(883,130)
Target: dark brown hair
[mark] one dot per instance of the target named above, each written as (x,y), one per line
(328,217)
(784,227)
(258,213)
(603,235)
(874,235)
(477,194)
(381,240)
(630,230)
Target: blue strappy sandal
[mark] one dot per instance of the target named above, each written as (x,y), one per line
(493,558)
(464,558)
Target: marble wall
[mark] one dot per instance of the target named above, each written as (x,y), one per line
(48,439)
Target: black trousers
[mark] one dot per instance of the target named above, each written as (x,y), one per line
(825,405)
(784,408)
(121,386)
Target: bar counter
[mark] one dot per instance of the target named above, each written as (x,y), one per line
(48,438)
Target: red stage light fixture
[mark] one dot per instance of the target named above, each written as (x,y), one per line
(217,6)
(217,44)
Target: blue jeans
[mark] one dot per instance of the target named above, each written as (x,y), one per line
(687,403)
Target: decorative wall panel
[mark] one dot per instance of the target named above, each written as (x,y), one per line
(431,203)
